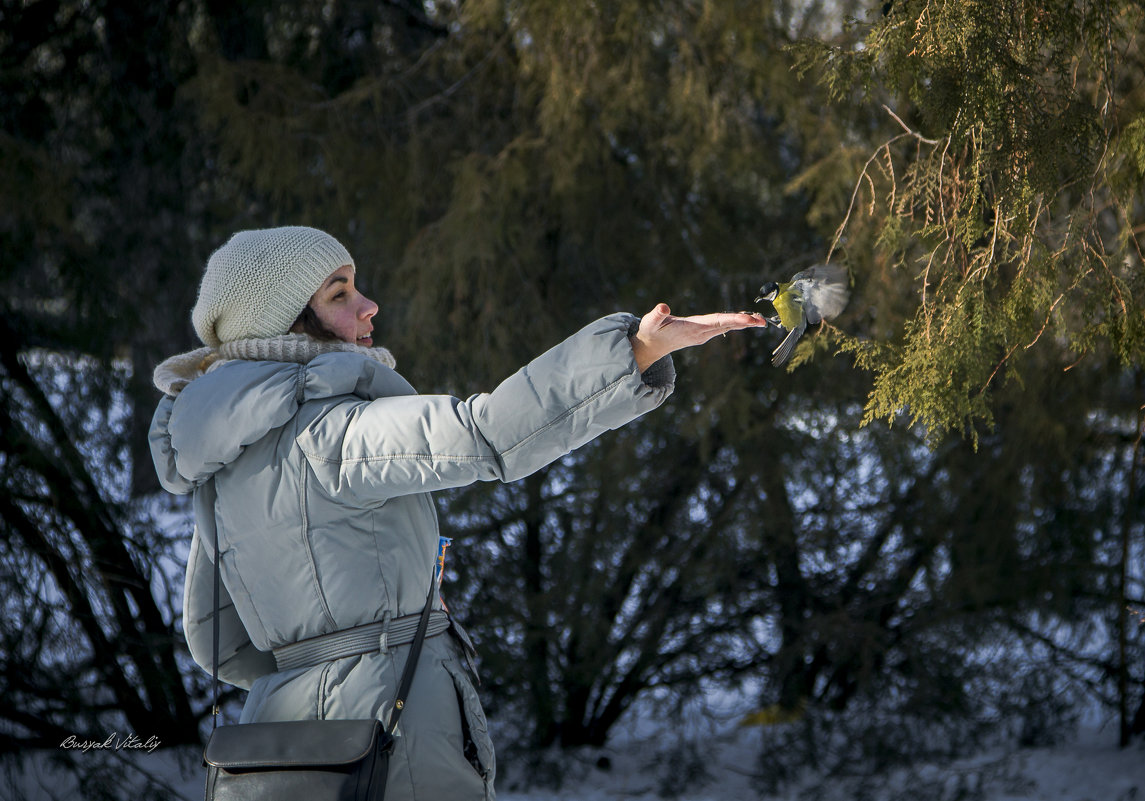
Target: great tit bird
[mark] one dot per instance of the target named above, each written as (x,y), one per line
(811,296)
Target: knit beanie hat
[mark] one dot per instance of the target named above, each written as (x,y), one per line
(258,283)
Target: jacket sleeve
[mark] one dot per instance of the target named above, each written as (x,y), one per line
(163,455)
(240,663)
(392,446)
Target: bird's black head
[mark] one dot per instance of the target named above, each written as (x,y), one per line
(768,291)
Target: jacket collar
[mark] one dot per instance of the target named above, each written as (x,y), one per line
(174,373)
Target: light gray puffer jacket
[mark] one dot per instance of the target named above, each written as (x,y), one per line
(316,476)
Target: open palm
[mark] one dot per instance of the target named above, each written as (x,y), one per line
(661,332)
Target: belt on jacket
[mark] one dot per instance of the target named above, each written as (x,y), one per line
(377,636)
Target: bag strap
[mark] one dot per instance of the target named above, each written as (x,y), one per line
(407,674)
(215,639)
(411,661)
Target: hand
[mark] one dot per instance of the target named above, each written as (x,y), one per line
(660,333)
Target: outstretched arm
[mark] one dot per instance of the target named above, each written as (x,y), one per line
(660,333)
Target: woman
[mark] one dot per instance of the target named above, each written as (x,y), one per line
(312,460)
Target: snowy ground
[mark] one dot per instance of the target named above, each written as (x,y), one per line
(1090,768)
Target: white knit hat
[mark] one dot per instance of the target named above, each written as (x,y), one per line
(258,283)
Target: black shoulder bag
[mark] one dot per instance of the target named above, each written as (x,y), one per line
(303,760)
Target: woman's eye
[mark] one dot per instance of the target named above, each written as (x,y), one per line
(338,296)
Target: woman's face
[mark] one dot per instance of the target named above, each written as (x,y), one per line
(343,309)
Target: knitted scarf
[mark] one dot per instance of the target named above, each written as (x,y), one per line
(172,374)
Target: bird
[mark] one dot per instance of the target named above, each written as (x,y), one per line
(816,294)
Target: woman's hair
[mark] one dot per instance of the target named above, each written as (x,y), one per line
(309,324)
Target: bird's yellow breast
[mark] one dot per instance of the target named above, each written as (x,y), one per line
(789,305)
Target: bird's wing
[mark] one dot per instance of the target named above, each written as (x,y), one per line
(782,353)
(825,291)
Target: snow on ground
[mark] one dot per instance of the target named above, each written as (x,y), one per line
(1090,767)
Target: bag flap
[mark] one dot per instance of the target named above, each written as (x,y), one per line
(292,743)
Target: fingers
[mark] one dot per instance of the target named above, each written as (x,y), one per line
(752,319)
(734,321)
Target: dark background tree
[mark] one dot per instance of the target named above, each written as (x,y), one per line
(503,173)
(92,156)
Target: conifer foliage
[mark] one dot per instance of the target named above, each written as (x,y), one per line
(1004,188)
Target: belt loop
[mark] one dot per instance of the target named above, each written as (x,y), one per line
(383,646)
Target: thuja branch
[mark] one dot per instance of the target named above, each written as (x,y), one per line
(884,148)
